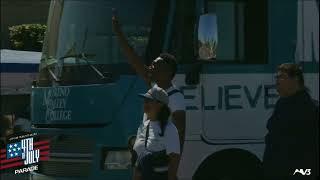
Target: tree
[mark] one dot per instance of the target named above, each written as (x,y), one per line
(27,37)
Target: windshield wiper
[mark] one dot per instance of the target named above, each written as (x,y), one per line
(53,76)
(56,79)
(85,56)
(71,53)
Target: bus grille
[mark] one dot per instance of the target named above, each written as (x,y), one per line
(65,169)
(71,144)
(70,156)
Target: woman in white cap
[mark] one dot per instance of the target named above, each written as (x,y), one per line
(157,144)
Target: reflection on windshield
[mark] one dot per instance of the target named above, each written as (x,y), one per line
(83,27)
(51,38)
(207,36)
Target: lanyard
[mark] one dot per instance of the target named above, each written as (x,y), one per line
(147,135)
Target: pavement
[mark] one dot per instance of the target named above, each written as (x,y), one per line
(12,176)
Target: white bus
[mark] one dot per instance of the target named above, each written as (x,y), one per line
(228,50)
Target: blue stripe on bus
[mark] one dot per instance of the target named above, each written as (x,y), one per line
(15,67)
(189,97)
(192,108)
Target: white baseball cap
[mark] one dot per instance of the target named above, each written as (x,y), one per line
(157,94)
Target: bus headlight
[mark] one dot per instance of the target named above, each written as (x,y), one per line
(117,159)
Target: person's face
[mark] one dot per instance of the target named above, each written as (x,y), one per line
(151,107)
(160,70)
(284,84)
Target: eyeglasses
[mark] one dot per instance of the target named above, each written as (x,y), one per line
(281,77)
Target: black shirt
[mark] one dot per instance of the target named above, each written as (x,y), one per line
(292,141)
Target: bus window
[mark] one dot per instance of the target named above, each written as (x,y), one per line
(242,34)
(53,27)
(182,37)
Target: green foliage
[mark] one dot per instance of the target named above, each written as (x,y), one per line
(138,43)
(27,37)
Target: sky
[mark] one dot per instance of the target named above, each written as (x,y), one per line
(205,33)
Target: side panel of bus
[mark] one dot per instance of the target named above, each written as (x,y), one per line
(231,105)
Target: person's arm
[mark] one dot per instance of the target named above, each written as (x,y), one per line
(173,166)
(136,174)
(173,150)
(179,120)
(177,106)
(133,58)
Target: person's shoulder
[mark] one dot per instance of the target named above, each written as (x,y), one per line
(314,105)
(178,96)
(174,89)
(175,93)
(176,99)
(171,127)
(146,122)
(176,102)
(308,102)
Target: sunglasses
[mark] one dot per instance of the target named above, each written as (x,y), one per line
(147,100)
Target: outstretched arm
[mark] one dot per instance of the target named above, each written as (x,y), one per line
(133,58)
(173,166)
(136,174)
(179,120)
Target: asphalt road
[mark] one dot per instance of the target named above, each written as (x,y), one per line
(12,176)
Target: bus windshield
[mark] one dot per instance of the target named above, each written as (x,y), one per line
(83,29)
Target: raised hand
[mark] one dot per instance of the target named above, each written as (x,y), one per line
(115,23)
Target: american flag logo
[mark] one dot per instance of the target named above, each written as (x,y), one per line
(14,150)
(14,155)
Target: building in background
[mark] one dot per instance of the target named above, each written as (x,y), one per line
(18,70)
(16,12)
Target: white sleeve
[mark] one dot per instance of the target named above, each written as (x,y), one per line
(176,102)
(140,138)
(172,139)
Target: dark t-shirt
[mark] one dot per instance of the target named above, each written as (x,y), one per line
(292,141)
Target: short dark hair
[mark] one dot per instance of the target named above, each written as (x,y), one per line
(292,70)
(171,60)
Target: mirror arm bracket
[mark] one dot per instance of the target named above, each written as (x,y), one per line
(193,74)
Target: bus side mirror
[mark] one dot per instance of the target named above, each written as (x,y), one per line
(207,37)
(206,46)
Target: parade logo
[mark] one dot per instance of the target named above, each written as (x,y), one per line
(24,152)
